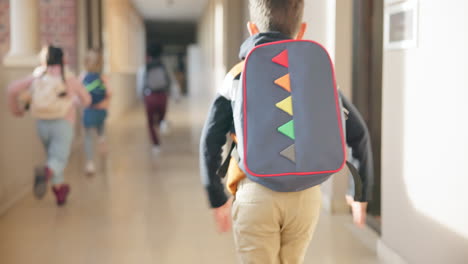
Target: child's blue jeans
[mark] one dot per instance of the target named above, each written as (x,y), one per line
(92,119)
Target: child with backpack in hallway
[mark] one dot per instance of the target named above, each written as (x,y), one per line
(154,84)
(94,116)
(284,111)
(53,102)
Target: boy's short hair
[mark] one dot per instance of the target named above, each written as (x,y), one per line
(284,16)
(93,61)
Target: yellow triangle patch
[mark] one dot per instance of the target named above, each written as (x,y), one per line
(286,105)
(284,82)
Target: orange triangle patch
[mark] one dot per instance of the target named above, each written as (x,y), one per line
(284,82)
(282,59)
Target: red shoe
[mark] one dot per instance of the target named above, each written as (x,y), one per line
(61,193)
(41,176)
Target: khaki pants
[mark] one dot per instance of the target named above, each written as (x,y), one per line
(273,227)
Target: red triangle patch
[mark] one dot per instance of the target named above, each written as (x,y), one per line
(282,59)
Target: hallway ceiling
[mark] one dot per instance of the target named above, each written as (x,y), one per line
(170,10)
(170,32)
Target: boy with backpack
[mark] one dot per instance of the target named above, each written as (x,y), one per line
(95,115)
(154,85)
(285,115)
(53,97)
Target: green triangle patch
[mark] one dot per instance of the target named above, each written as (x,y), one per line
(288,129)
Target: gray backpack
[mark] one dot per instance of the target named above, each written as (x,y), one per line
(288,117)
(157,78)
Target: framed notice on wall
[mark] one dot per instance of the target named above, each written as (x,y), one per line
(401,25)
(393,1)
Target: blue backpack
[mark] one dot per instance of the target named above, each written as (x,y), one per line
(288,117)
(95,86)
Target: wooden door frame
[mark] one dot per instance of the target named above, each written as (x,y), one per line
(368,19)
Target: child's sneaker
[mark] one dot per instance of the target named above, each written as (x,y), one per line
(61,193)
(164,127)
(90,169)
(41,176)
(156,150)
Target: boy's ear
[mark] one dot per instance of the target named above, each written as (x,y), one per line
(253,29)
(301,32)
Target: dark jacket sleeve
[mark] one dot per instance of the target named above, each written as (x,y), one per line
(213,138)
(358,138)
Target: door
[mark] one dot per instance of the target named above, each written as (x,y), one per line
(367,83)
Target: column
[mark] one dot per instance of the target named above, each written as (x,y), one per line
(24,33)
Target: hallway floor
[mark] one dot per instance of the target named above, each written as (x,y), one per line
(141,209)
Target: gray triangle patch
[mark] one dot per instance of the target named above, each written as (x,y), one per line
(289,153)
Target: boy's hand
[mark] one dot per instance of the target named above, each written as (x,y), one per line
(223,216)
(359,211)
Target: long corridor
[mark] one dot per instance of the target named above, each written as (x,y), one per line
(141,208)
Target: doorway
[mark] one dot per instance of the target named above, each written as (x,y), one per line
(175,37)
(367,85)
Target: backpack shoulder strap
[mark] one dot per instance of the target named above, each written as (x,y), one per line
(222,171)
(96,83)
(236,70)
(228,83)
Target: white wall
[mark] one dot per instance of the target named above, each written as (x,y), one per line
(236,22)
(194,71)
(320,17)
(220,34)
(205,35)
(424,141)
(344,46)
